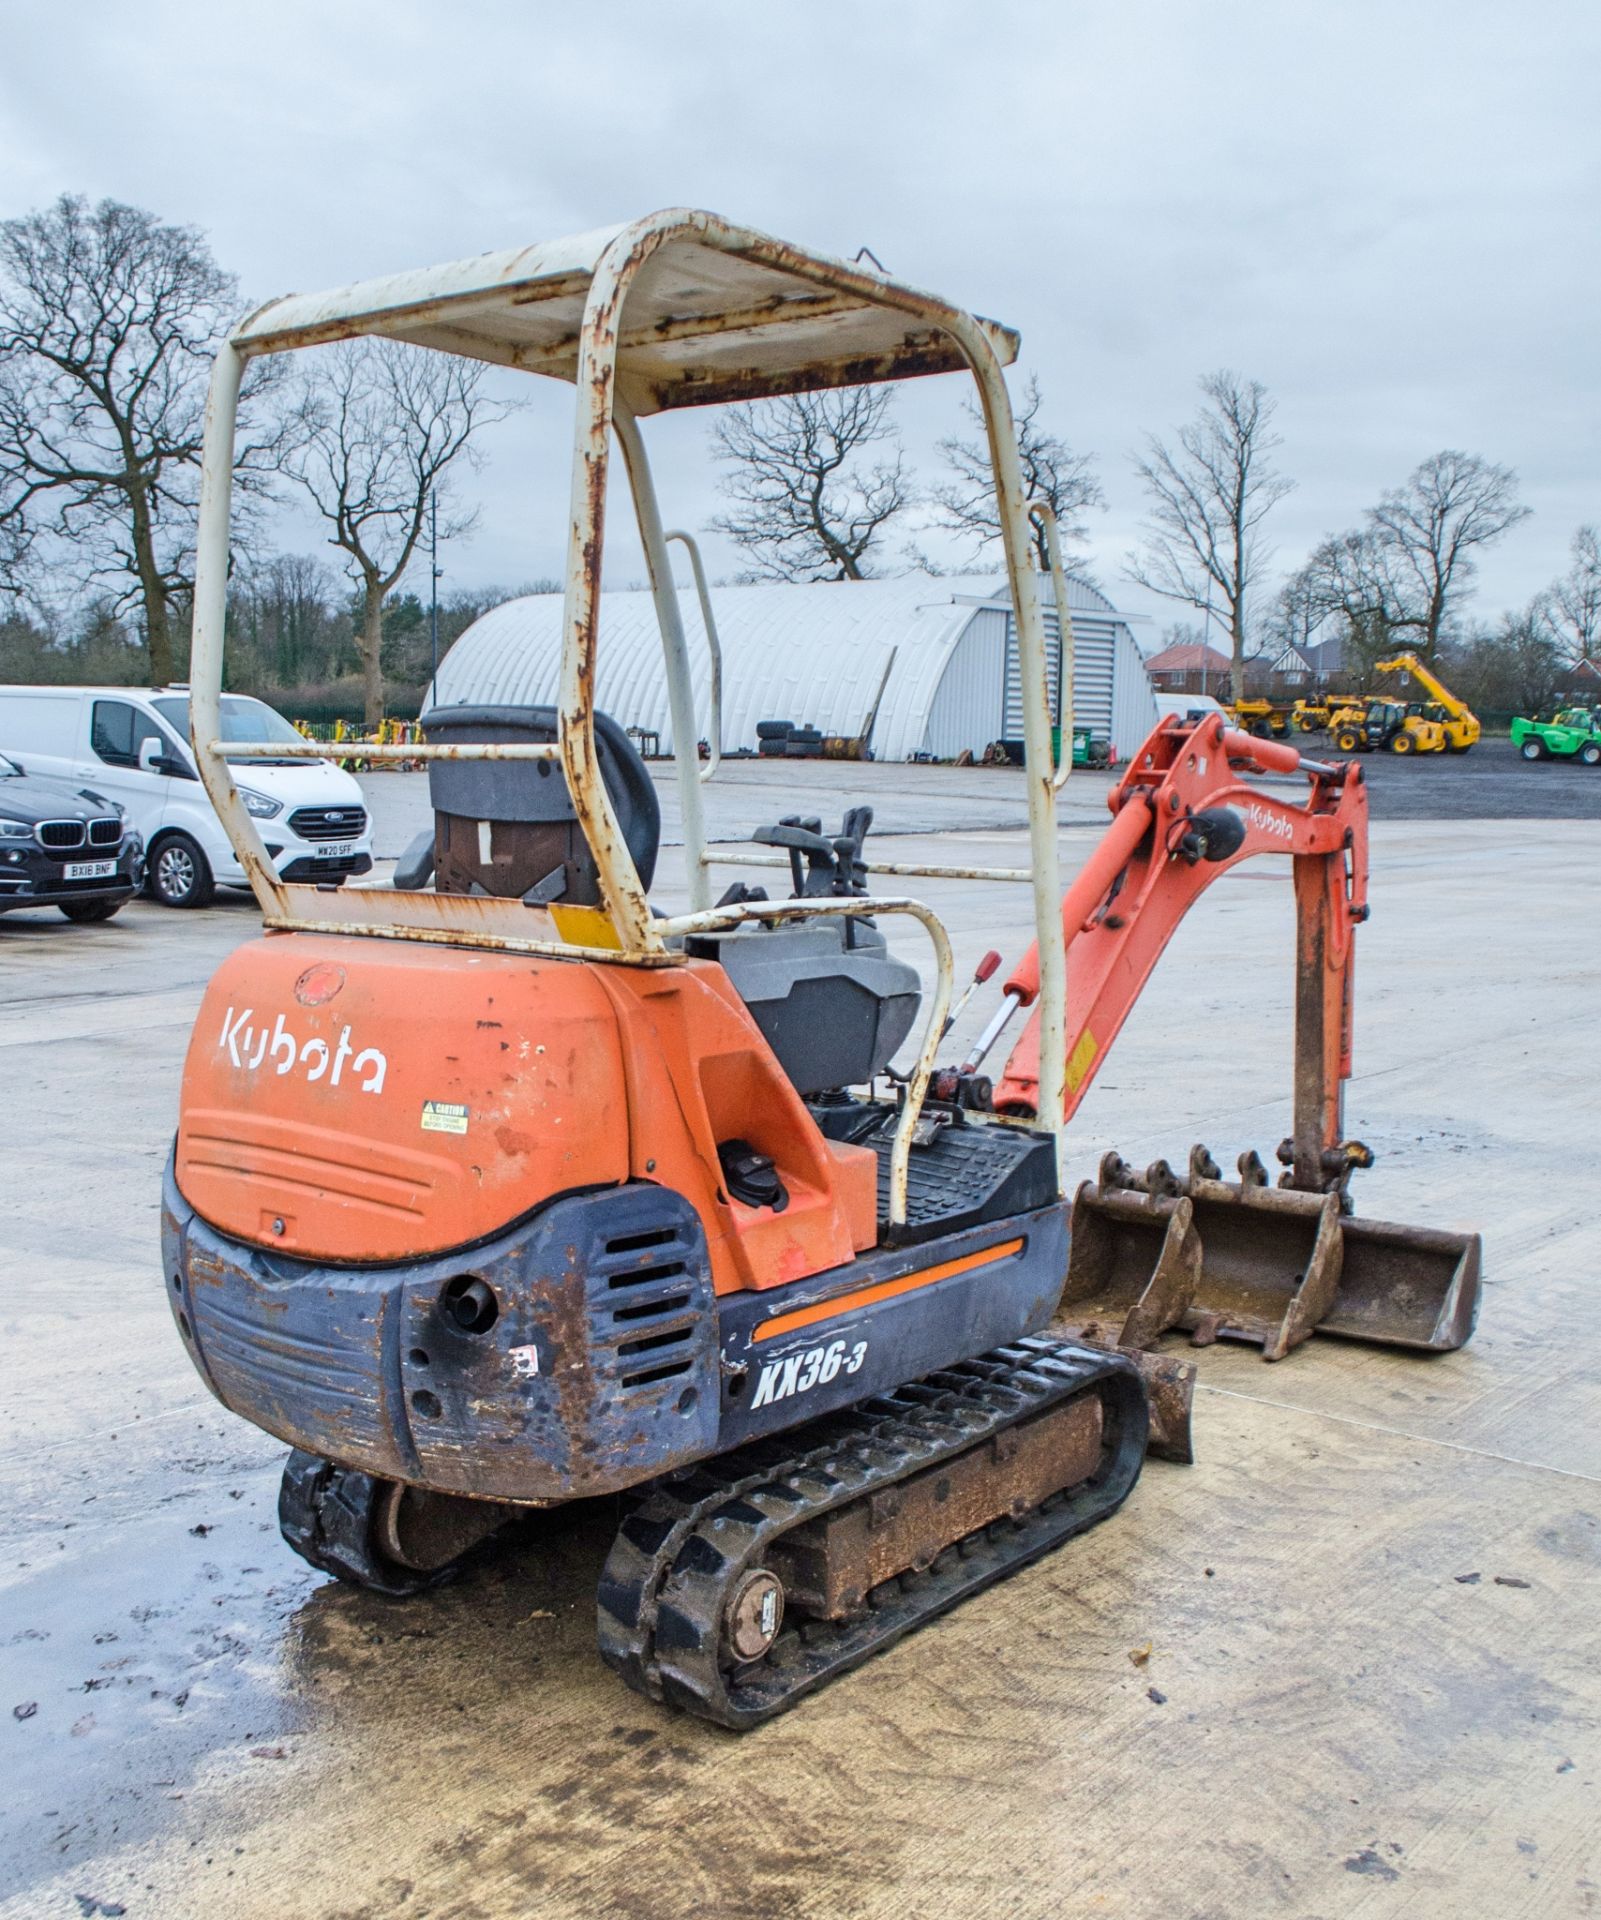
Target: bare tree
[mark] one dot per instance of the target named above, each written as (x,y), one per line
(1294,618)
(108,323)
(1517,667)
(1052,472)
(290,617)
(16,541)
(805,506)
(384,424)
(1426,533)
(1400,579)
(1209,497)
(1573,605)
(1345,585)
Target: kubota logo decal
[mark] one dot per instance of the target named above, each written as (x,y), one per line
(800,1372)
(251,1049)
(1266,822)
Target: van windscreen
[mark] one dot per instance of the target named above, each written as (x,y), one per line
(242,719)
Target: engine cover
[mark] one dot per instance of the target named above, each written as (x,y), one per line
(364,1100)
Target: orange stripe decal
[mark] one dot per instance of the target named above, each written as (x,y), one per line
(885,1290)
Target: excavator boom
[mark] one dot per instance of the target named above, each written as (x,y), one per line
(1184,813)
(1158,1250)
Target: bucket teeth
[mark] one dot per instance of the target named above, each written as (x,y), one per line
(1153,1252)
(1170,1293)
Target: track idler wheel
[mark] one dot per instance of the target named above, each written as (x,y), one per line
(375,1533)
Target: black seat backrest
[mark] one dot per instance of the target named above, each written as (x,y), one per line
(509,827)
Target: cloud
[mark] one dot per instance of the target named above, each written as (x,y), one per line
(1383,209)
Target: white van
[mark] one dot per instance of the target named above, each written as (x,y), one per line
(132,744)
(1186,704)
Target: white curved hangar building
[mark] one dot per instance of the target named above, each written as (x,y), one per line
(814,654)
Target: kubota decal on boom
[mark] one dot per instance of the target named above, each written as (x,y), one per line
(286,1051)
(1267,822)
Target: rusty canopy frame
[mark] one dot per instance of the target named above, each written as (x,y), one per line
(714,312)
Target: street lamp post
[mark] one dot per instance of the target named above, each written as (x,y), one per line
(1206,633)
(433,569)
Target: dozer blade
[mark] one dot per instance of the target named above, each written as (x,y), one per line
(1244,1260)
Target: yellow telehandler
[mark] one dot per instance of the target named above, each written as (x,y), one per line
(1454,717)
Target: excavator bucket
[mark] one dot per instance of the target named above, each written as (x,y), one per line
(1154,1252)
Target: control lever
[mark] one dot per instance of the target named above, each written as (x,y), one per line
(834,864)
(1010,1002)
(984,970)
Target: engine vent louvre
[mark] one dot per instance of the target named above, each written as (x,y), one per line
(648,1296)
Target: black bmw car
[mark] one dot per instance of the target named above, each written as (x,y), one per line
(64,846)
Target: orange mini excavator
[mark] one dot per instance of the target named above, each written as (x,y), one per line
(500,1188)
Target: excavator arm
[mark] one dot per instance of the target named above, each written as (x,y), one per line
(1154,1250)
(1183,814)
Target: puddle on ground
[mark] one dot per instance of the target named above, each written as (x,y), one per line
(141,1659)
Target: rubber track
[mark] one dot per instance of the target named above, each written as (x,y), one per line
(326,1513)
(676,1558)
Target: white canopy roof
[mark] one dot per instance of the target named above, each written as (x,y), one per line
(713,313)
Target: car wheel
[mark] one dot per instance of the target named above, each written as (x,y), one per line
(1532,749)
(1590,753)
(91,909)
(180,874)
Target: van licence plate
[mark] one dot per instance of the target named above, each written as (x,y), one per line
(91,869)
(336,849)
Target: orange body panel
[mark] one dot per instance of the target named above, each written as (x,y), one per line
(386,1100)
(359,1100)
(856,1169)
(699,1072)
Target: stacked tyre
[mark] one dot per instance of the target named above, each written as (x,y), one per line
(770,737)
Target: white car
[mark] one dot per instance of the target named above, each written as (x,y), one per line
(131,744)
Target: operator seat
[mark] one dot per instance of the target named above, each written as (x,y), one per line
(509,827)
(831,1001)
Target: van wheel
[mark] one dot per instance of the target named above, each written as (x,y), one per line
(91,909)
(180,874)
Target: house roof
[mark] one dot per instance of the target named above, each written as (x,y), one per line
(1190,657)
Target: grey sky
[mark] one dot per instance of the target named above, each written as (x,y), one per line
(1384,210)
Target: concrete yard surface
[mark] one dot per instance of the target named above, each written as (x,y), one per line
(1371,1607)
(1490,783)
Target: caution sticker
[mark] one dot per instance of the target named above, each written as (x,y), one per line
(443,1116)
